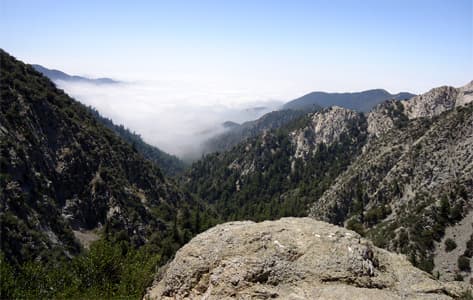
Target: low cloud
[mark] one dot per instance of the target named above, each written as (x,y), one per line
(174,116)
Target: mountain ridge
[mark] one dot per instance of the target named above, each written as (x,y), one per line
(360,101)
(56,75)
(294,169)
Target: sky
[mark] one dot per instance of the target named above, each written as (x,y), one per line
(234,54)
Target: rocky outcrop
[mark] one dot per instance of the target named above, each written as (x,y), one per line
(392,113)
(325,127)
(408,186)
(293,258)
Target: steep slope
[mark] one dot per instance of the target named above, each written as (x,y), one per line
(278,172)
(292,259)
(239,133)
(359,101)
(56,75)
(169,164)
(414,178)
(63,175)
(315,101)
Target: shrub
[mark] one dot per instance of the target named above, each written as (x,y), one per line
(464,263)
(450,245)
(356,226)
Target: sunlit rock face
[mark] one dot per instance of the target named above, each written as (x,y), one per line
(292,258)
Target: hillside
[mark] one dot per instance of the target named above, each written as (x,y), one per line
(260,178)
(169,164)
(315,101)
(401,174)
(66,181)
(414,180)
(236,133)
(359,101)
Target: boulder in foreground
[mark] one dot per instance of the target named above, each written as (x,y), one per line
(292,258)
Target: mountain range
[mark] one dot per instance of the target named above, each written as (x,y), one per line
(56,75)
(359,101)
(85,213)
(400,174)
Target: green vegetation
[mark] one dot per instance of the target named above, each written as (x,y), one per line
(62,170)
(464,263)
(450,245)
(260,179)
(108,270)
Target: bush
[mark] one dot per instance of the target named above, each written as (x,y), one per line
(464,263)
(450,245)
(106,271)
(356,226)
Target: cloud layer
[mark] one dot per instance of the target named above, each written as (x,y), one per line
(174,116)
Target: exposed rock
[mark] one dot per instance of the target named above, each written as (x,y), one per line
(293,258)
(326,127)
(393,191)
(446,265)
(436,101)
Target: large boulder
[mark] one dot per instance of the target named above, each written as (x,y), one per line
(292,258)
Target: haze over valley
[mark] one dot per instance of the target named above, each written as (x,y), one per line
(236,149)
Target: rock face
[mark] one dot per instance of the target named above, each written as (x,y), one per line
(408,186)
(325,127)
(292,258)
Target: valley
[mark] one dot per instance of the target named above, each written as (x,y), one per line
(82,194)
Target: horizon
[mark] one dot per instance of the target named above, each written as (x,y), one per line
(189,66)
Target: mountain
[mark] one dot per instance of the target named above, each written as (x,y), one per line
(400,174)
(236,133)
(293,258)
(257,178)
(413,180)
(169,164)
(66,181)
(359,101)
(56,75)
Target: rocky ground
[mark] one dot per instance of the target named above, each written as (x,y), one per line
(446,265)
(292,258)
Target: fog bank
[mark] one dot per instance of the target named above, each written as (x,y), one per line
(176,117)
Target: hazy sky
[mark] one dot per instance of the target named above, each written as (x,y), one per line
(198,55)
(291,47)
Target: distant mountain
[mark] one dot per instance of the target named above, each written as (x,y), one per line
(359,101)
(55,75)
(230,125)
(315,101)
(236,133)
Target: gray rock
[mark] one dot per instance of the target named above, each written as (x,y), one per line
(292,258)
